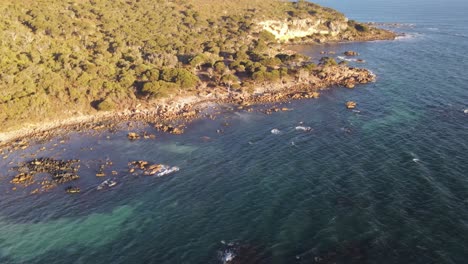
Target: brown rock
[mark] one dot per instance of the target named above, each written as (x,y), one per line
(73,189)
(351,105)
(133,136)
(176,131)
(351,53)
(22,178)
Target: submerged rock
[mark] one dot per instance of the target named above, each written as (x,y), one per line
(72,189)
(170,129)
(60,171)
(133,136)
(22,178)
(65,177)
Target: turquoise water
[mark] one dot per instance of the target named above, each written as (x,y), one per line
(386,185)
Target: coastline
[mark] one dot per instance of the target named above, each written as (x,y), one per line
(182,109)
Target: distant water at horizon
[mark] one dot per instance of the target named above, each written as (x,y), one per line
(385,184)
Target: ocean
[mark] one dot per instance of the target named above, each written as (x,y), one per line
(387,183)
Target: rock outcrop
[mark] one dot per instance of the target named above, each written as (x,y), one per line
(316,29)
(299,28)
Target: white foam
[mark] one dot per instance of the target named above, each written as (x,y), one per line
(107,184)
(304,128)
(275,131)
(409,37)
(165,170)
(346,59)
(228,256)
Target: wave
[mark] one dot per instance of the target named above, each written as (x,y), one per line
(460,35)
(349,59)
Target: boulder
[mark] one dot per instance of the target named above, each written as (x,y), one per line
(351,105)
(351,53)
(72,189)
(177,131)
(22,178)
(133,136)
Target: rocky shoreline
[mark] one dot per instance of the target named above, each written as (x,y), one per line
(170,116)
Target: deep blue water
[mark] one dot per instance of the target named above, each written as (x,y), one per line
(386,185)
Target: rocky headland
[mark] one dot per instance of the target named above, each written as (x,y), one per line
(170,115)
(92,75)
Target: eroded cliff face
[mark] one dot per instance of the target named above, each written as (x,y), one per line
(299,28)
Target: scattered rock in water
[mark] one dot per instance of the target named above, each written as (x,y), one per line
(177,131)
(465,111)
(144,167)
(351,53)
(59,171)
(133,136)
(101,172)
(276,109)
(148,136)
(23,178)
(350,84)
(170,129)
(65,177)
(351,105)
(72,189)
(109,183)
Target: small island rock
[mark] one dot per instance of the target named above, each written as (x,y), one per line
(351,105)
(351,53)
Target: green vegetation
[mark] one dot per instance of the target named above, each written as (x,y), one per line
(106,105)
(359,27)
(60,58)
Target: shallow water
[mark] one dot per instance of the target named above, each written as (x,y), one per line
(386,185)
